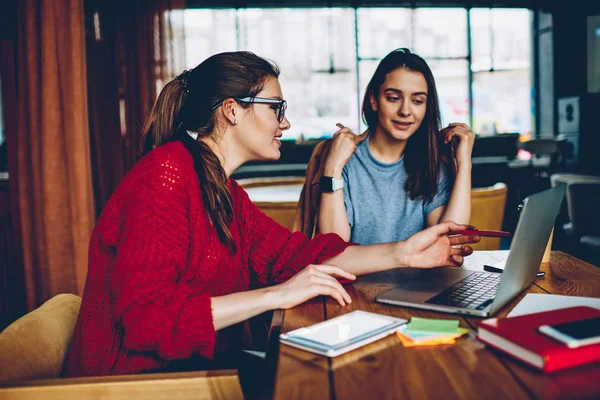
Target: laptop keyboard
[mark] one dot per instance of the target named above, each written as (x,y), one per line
(475,292)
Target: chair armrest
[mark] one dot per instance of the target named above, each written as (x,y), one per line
(223,384)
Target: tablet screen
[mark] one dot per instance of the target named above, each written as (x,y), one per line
(344,328)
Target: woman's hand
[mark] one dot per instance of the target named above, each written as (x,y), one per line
(312,281)
(466,140)
(432,247)
(342,148)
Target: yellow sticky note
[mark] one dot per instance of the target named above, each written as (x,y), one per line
(416,337)
(407,343)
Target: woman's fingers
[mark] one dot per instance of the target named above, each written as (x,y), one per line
(462,251)
(457,132)
(347,130)
(335,271)
(456,260)
(325,274)
(331,288)
(464,239)
(334,283)
(447,228)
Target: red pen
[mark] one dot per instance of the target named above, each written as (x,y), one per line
(484,233)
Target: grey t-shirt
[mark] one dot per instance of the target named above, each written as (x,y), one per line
(378,208)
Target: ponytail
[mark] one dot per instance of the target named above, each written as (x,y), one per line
(213,181)
(164,120)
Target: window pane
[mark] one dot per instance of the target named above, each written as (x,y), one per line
(441,32)
(208,32)
(452,81)
(481,39)
(381,30)
(366,70)
(502,102)
(501,38)
(512,38)
(317,61)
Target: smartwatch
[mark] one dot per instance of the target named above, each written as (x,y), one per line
(330,184)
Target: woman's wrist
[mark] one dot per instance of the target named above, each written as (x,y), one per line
(333,170)
(400,254)
(464,165)
(270,299)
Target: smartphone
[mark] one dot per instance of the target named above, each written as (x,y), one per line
(575,333)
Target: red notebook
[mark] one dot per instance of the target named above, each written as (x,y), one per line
(519,337)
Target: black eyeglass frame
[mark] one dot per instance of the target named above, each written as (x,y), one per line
(259,100)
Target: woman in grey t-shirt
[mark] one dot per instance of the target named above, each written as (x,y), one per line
(404,173)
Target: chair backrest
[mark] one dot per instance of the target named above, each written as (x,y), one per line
(583,203)
(35,345)
(487,212)
(277,196)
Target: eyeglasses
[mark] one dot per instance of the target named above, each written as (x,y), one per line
(281,104)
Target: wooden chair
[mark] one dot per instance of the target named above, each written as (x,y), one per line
(35,345)
(487,212)
(277,196)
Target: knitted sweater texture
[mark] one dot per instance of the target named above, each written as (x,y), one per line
(155,262)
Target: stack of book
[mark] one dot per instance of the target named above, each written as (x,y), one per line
(430,332)
(523,337)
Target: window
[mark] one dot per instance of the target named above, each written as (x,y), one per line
(480,59)
(315,50)
(501,68)
(208,32)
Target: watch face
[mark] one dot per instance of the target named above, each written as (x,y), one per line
(326,183)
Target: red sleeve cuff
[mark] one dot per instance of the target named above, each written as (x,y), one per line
(194,331)
(316,251)
(335,246)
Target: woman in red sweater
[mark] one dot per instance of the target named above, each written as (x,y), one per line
(180,256)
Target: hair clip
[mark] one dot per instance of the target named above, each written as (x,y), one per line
(183,78)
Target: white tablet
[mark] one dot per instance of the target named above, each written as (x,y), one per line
(341,334)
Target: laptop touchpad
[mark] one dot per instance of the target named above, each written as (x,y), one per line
(432,283)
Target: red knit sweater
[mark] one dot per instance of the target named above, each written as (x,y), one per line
(155,262)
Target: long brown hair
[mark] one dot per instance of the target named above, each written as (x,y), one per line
(423,153)
(185,104)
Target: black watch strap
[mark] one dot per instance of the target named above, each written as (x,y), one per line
(329,184)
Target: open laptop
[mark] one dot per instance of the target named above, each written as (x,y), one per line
(459,291)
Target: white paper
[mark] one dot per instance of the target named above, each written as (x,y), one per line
(534,302)
(479,258)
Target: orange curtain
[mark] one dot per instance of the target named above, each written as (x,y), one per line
(152,37)
(54,175)
(137,49)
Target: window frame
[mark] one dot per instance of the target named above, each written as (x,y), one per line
(413,7)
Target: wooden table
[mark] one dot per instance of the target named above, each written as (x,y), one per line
(202,385)
(387,370)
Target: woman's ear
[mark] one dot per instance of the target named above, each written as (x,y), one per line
(373,101)
(229,110)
